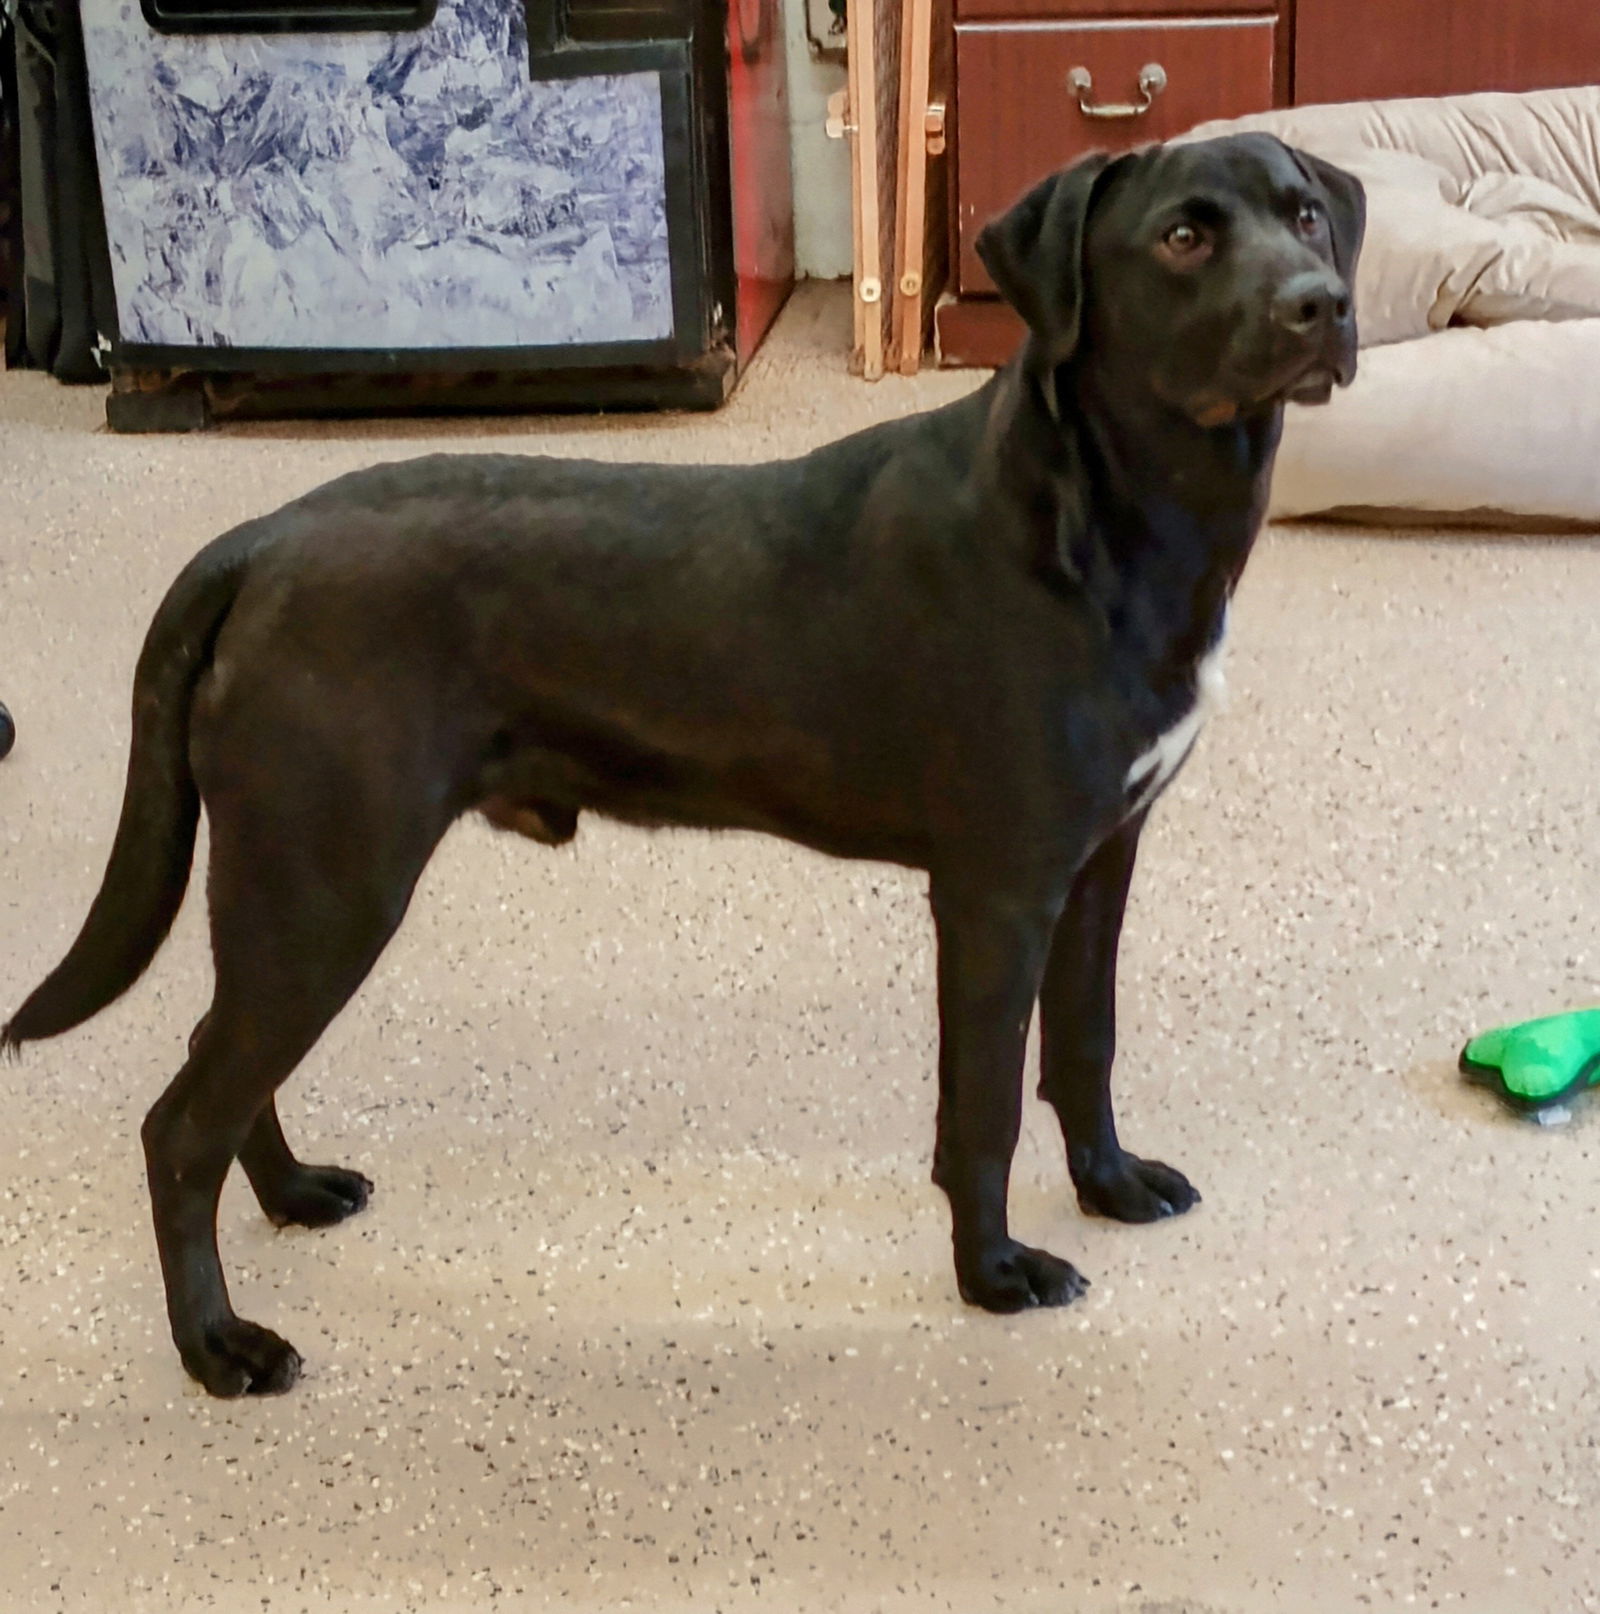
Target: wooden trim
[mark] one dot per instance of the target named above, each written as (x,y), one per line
(976,332)
(863,118)
(952,173)
(916,51)
(1119,25)
(1283,66)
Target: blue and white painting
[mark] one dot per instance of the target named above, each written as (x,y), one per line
(368,190)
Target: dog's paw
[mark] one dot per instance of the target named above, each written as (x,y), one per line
(316,1196)
(1133,1190)
(242,1358)
(1012,1277)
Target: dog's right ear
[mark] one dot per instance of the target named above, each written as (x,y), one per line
(1034,255)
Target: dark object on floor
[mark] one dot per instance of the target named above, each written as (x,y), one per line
(977,642)
(8,732)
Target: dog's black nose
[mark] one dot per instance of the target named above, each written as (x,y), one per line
(1310,303)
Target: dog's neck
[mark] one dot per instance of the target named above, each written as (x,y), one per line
(1155,515)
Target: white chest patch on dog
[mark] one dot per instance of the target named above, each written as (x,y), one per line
(1153,769)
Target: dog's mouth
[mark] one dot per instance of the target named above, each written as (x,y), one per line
(1312,377)
(1240,390)
(1310,381)
(1314,387)
(1319,372)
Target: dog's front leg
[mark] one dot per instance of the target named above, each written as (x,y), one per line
(1078,1043)
(991,956)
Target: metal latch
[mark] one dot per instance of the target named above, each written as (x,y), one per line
(837,124)
(933,128)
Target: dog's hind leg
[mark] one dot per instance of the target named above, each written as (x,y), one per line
(305,894)
(291,1193)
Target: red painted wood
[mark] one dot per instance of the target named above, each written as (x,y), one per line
(1107,8)
(1358,50)
(759,140)
(976,332)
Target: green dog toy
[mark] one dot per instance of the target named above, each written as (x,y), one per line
(1538,1066)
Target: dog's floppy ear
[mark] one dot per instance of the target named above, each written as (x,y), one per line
(1347,210)
(1034,255)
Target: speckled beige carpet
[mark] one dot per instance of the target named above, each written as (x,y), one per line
(653,1308)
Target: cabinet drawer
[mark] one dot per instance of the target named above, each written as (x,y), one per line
(1017,117)
(1350,50)
(1068,10)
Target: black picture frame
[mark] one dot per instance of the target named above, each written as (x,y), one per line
(287,16)
(691,369)
(692,331)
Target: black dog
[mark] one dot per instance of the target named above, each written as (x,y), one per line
(973,642)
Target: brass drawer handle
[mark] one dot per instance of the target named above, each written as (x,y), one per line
(1152,81)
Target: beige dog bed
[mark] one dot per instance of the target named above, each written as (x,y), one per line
(1478,297)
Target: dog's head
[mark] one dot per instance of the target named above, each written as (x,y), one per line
(1218,274)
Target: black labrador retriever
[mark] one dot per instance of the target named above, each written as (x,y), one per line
(976,642)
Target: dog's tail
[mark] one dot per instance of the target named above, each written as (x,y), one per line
(148,870)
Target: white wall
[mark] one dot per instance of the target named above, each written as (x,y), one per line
(821,165)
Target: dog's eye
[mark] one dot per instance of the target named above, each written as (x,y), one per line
(1186,244)
(1308,218)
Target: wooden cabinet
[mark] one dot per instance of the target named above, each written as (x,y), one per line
(1054,90)
(1368,50)
(1020,96)
(1106,10)
(1040,82)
